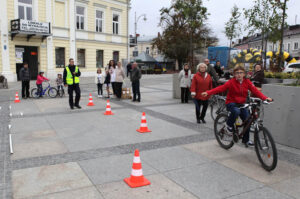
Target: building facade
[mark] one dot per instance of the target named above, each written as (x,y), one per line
(144,44)
(46,33)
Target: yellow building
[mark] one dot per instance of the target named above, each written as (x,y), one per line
(46,33)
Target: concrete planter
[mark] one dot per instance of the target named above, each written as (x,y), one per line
(273,81)
(282,117)
(289,81)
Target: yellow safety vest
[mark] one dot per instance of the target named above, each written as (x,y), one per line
(69,78)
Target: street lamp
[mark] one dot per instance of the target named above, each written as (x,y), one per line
(136,19)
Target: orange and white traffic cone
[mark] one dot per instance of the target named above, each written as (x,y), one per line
(17,99)
(91,103)
(143,127)
(108,109)
(136,178)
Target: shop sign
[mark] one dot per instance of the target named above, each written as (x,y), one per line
(30,26)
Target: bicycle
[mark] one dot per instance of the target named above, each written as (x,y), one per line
(217,105)
(263,141)
(52,92)
(60,91)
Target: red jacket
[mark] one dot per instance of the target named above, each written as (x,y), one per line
(40,79)
(201,84)
(237,92)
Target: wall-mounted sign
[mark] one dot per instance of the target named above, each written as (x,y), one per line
(30,26)
(19,55)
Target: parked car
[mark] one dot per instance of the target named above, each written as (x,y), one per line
(293,67)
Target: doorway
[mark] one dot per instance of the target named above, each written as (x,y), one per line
(28,54)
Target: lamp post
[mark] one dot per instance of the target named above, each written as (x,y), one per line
(136,19)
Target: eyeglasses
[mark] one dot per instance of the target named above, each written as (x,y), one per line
(239,73)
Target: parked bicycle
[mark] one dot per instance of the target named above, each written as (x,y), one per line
(52,92)
(263,141)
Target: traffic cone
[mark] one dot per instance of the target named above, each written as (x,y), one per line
(136,178)
(143,127)
(17,100)
(91,103)
(108,109)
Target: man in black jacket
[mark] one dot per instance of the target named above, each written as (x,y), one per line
(24,75)
(218,69)
(71,79)
(135,77)
(211,71)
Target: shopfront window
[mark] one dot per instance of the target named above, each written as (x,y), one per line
(80,17)
(25,9)
(81,57)
(59,57)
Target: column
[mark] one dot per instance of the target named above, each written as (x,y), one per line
(72,30)
(6,70)
(50,63)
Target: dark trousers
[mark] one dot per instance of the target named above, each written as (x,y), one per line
(185,95)
(118,89)
(113,85)
(60,87)
(100,91)
(76,88)
(25,88)
(136,91)
(234,113)
(40,89)
(198,104)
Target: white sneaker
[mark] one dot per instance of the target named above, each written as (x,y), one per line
(99,96)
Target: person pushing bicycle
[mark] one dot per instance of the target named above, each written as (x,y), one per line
(237,89)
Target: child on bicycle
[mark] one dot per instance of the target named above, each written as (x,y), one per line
(237,88)
(60,82)
(99,79)
(39,82)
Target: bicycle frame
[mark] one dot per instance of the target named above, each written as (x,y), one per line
(44,90)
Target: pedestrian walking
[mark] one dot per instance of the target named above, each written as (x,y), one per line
(211,71)
(135,77)
(99,80)
(71,79)
(39,82)
(185,83)
(120,75)
(107,81)
(24,75)
(201,82)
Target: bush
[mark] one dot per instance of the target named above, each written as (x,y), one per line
(282,75)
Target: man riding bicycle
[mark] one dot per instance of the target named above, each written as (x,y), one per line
(237,89)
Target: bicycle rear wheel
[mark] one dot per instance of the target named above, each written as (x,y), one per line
(223,136)
(34,93)
(265,149)
(52,92)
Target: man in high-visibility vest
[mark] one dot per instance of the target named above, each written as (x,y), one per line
(71,79)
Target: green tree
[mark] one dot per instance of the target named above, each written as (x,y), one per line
(233,27)
(184,30)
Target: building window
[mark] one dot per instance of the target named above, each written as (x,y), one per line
(81,57)
(270,48)
(80,18)
(99,58)
(25,9)
(147,50)
(116,56)
(116,24)
(289,47)
(296,46)
(99,21)
(60,57)
(135,53)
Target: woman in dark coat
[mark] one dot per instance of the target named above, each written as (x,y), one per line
(258,77)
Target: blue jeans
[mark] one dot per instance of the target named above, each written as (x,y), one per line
(234,113)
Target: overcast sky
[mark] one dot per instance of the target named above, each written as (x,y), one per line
(219,13)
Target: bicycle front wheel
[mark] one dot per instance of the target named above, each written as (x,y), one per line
(34,93)
(216,108)
(223,136)
(52,92)
(265,149)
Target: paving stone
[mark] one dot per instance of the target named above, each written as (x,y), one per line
(82,193)
(249,165)
(212,150)
(28,125)
(262,193)
(289,187)
(160,188)
(44,180)
(172,158)
(34,136)
(113,168)
(212,181)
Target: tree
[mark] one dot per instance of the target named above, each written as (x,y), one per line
(265,17)
(233,27)
(184,30)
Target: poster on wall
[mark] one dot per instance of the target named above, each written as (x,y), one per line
(19,55)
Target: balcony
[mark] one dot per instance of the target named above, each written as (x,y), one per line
(29,29)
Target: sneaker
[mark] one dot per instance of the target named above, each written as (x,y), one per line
(77,106)
(249,144)
(99,96)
